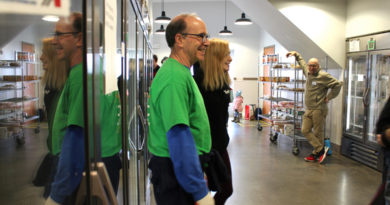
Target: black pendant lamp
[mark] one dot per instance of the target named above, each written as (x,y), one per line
(225,31)
(163,18)
(243,20)
(161,31)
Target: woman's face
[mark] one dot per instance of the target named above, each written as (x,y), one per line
(44,61)
(226,61)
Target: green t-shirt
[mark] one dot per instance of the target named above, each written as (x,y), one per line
(70,107)
(175,99)
(110,124)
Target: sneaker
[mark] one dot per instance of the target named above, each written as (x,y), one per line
(323,156)
(327,143)
(310,158)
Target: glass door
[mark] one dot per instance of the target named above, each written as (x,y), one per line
(355,94)
(379,90)
(130,171)
(136,84)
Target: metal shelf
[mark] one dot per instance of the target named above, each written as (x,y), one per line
(356,125)
(30,119)
(19,100)
(11,89)
(275,99)
(286,90)
(296,81)
(356,97)
(20,81)
(7,115)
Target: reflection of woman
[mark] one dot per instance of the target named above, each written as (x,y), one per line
(54,78)
(213,81)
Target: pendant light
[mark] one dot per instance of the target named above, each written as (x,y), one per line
(243,20)
(225,31)
(162,19)
(161,31)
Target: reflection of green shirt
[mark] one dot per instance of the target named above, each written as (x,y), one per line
(175,99)
(110,123)
(70,107)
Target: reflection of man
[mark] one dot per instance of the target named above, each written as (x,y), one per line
(68,125)
(179,127)
(318,82)
(155,65)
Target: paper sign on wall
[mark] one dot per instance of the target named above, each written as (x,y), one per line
(35,7)
(354,45)
(360,77)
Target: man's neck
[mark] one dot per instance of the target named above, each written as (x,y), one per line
(76,58)
(181,58)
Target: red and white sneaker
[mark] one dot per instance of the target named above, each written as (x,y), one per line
(323,156)
(310,158)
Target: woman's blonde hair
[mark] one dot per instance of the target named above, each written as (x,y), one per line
(215,77)
(57,71)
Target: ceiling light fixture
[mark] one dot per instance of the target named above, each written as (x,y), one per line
(163,18)
(243,20)
(225,31)
(161,31)
(50,18)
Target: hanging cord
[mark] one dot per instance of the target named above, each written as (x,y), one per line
(162,5)
(225,12)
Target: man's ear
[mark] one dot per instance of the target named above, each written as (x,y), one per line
(179,40)
(79,38)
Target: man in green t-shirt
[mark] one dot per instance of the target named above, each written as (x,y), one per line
(68,122)
(179,127)
(68,125)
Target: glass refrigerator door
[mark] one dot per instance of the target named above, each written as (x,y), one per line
(379,89)
(355,87)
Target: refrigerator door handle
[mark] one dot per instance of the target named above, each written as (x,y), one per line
(366,104)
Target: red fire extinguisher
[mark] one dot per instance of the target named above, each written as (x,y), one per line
(247,111)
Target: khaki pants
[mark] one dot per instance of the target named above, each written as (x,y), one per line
(313,128)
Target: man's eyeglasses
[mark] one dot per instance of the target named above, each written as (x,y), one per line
(58,34)
(204,36)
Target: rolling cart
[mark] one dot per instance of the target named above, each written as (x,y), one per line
(286,100)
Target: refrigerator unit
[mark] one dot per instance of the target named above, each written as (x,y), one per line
(366,90)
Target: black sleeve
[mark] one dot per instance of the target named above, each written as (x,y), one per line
(384,119)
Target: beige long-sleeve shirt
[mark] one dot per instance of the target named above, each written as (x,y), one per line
(317,87)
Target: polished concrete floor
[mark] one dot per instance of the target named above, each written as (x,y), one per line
(263,172)
(268,173)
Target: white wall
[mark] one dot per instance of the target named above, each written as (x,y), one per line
(364,17)
(322,21)
(243,43)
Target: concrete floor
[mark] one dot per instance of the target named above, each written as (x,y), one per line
(267,173)
(263,172)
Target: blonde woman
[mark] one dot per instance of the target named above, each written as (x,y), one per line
(214,81)
(54,78)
